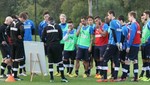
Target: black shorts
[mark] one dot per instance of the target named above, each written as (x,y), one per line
(54,53)
(5,50)
(83,54)
(133,53)
(99,51)
(111,53)
(122,55)
(145,51)
(18,51)
(70,55)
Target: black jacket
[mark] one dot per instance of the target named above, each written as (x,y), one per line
(52,34)
(3,34)
(16,30)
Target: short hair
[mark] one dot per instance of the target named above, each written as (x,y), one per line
(63,15)
(147,12)
(23,15)
(14,16)
(8,18)
(83,17)
(97,17)
(132,13)
(46,12)
(121,17)
(111,12)
(89,17)
(70,21)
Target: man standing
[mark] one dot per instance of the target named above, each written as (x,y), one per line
(133,43)
(70,39)
(17,34)
(112,48)
(51,36)
(85,41)
(5,47)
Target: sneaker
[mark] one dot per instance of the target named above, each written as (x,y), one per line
(98,76)
(145,79)
(18,79)
(22,74)
(64,80)
(85,76)
(3,76)
(102,80)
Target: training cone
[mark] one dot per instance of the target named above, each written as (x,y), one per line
(10,79)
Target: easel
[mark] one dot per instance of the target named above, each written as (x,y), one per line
(33,63)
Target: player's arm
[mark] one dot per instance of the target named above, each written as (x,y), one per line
(132,34)
(78,30)
(92,38)
(104,32)
(32,27)
(60,32)
(44,35)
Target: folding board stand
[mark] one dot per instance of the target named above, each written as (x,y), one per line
(33,63)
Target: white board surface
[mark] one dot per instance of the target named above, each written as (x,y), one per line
(34,48)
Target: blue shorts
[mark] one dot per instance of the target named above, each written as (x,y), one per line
(133,53)
(70,55)
(99,51)
(83,54)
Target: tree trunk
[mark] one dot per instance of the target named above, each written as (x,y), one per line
(90,7)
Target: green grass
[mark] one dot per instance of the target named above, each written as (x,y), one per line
(38,80)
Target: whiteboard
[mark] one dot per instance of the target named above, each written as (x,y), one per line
(35,48)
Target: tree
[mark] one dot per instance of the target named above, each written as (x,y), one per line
(90,7)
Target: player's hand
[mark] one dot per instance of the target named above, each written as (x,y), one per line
(19,36)
(127,50)
(69,30)
(80,25)
(120,47)
(89,49)
(4,43)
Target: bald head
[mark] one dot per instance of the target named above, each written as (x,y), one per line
(8,20)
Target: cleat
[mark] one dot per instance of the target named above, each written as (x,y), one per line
(75,75)
(18,79)
(102,80)
(64,80)
(98,76)
(70,75)
(22,74)
(85,76)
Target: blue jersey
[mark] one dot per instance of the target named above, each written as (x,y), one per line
(41,26)
(28,26)
(105,27)
(91,32)
(133,30)
(125,34)
(148,25)
(116,27)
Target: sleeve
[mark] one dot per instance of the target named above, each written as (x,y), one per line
(60,32)
(40,30)
(148,25)
(65,36)
(43,35)
(91,31)
(132,34)
(105,27)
